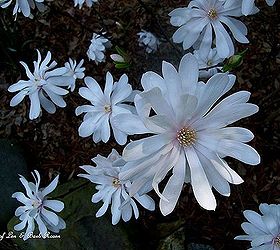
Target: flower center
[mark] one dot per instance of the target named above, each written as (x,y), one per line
(36,203)
(209,63)
(107,108)
(186,136)
(212,13)
(277,241)
(116,182)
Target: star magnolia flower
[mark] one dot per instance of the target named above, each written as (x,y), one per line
(23,6)
(262,230)
(97,48)
(104,106)
(198,21)
(148,40)
(209,60)
(248,6)
(45,80)
(74,70)
(36,208)
(191,136)
(113,191)
(89,3)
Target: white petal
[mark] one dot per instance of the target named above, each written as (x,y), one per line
(18,98)
(47,190)
(151,80)
(115,207)
(35,107)
(51,216)
(188,71)
(201,188)
(55,205)
(129,123)
(174,186)
(239,151)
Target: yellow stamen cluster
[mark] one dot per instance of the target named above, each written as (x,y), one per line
(186,137)
(212,13)
(116,182)
(107,108)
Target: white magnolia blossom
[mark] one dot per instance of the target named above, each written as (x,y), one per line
(208,60)
(263,230)
(113,191)
(104,106)
(36,208)
(97,48)
(249,7)
(190,134)
(148,40)
(201,18)
(23,6)
(46,80)
(75,70)
(89,3)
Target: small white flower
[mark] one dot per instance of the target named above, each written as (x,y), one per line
(249,7)
(46,80)
(188,134)
(209,60)
(201,18)
(23,6)
(148,40)
(104,106)
(89,3)
(97,48)
(35,208)
(263,230)
(113,191)
(75,70)
(117,58)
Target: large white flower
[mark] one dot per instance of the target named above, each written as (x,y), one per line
(113,191)
(36,207)
(191,136)
(76,71)
(23,6)
(104,106)
(148,40)
(97,48)
(89,3)
(262,230)
(249,7)
(202,17)
(208,60)
(46,80)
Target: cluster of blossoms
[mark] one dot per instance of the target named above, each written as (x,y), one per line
(184,120)
(148,40)
(249,7)
(36,207)
(104,107)
(262,230)
(204,19)
(191,136)
(98,45)
(45,85)
(23,6)
(111,190)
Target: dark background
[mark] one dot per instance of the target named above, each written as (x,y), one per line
(52,144)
